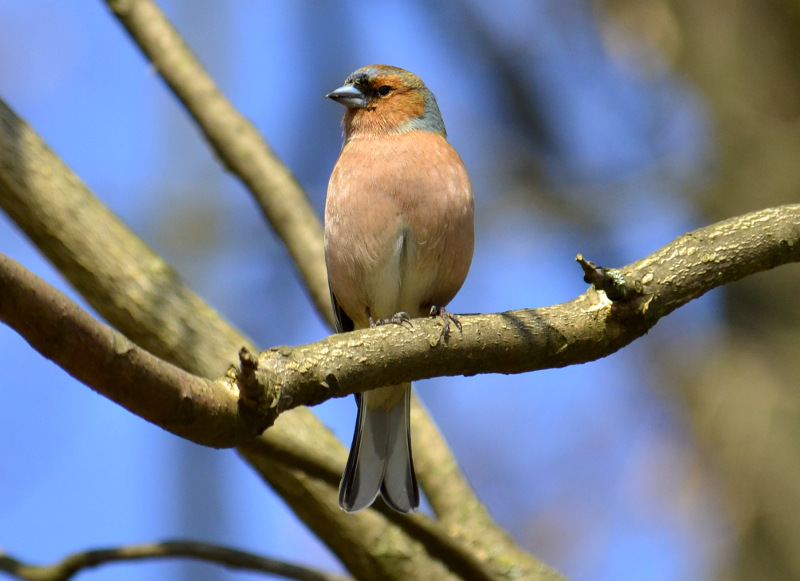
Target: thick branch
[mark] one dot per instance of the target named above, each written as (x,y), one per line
(189,406)
(236,143)
(584,329)
(232,558)
(118,274)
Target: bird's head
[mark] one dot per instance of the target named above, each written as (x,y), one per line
(381,99)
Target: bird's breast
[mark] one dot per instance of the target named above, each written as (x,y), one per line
(398,224)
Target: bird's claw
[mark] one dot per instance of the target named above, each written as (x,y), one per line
(401,318)
(447,318)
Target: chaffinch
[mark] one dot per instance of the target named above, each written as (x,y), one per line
(399,238)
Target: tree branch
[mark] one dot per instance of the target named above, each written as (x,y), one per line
(448,492)
(453,542)
(235,559)
(236,143)
(189,406)
(118,274)
(584,329)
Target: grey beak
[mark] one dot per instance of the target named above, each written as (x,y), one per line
(348,96)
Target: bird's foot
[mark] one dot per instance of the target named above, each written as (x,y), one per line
(401,318)
(447,318)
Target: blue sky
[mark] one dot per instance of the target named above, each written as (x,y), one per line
(596,477)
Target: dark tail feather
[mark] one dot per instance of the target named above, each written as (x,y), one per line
(380,459)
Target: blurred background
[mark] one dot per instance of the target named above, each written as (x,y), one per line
(605,127)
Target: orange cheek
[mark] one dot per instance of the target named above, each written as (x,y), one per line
(403,107)
(386,115)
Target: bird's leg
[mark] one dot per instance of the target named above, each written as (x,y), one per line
(401,318)
(447,317)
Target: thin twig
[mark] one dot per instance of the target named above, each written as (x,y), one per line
(224,556)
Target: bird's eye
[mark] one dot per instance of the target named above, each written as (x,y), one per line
(384,90)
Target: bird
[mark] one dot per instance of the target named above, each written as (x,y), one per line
(399,239)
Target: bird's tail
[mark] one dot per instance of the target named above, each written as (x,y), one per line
(380,456)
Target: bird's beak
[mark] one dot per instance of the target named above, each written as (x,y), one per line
(348,96)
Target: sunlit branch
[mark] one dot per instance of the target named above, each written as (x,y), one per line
(584,329)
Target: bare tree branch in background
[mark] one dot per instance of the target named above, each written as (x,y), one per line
(77,563)
(741,399)
(235,141)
